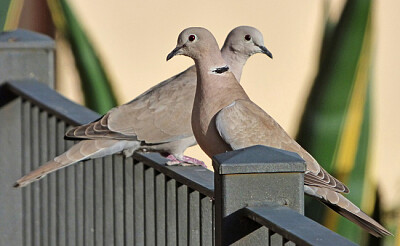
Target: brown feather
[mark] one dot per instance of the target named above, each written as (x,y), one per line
(159,119)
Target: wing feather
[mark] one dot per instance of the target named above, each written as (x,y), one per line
(234,121)
(161,114)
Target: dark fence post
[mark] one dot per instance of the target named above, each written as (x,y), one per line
(26,55)
(257,176)
(23,54)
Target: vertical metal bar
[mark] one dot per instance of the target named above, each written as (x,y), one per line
(128,202)
(51,180)
(160,209)
(214,215)
(288,243)
(26,164)
(171,225)
(149,206)
(89,208)
(276,239)
(79,201)
(182,207)
(44,209)
(61,191)
(98,202)
(206,221)
(262,233)
(139,204)
(194,218)
(36,185)
(118,199)
(108,201)
(70,192)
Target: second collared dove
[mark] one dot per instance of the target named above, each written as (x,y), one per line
(225,119)
(157,120)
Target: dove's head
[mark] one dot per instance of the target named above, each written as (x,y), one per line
(195,42)
(244,41)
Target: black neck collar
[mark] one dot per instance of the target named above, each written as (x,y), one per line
(220,70)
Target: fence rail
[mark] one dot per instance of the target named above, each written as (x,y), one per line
(285,222)
(108,201)
(139,200)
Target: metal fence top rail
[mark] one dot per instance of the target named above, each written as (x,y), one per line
(51,101)
(195,177)
(285,221)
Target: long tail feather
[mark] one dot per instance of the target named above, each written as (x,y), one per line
(347,209)
(81,151)
(362,220)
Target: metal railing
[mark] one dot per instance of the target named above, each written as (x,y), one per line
(108,201)
(251,199)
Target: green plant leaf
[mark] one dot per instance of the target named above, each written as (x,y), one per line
(336,122)
(4,5)
(10,12)
(95,82)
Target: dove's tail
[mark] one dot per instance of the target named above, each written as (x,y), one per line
(347,209)
(39,173)
(86,149)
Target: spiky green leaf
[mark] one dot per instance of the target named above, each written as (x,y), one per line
(335,125)
(95,82)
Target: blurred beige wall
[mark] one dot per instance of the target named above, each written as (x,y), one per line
(134,37)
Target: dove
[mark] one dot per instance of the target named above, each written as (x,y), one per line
(225,119)
(157,120)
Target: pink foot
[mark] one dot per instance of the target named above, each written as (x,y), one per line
(172,160)
(194,161)
(186,161)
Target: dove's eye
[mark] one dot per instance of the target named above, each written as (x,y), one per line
(192,38)
(247,37)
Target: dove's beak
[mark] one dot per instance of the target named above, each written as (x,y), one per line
(265,51)
(176,51)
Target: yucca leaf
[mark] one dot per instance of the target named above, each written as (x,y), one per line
(4,5)
(10,12)
(95,83)
(335,124)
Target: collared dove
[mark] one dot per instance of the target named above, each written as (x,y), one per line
(225,119)
(157,120)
